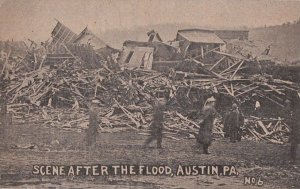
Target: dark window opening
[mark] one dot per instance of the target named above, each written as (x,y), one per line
(129,57)
(151,38)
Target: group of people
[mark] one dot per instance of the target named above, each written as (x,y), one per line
(233,120)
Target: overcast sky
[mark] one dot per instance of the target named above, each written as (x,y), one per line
(35,18)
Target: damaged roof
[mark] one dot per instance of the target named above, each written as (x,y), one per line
(62,34)
(161,50)
(87,37)
(154,36)
(200,36)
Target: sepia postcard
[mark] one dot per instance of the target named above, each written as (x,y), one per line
(135,94)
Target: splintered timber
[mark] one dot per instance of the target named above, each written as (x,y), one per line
(154,170)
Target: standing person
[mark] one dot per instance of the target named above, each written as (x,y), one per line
(156,127)
(209,112)
(293,120)
(6,132)
(235,121)
(226,123)
(91,132)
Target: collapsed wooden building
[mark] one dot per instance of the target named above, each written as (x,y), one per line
(197,42)
(66,45)
(191,68)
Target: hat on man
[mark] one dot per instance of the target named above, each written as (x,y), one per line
(234,106)
(211,99)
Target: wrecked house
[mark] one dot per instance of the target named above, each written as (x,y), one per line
(232,34)
(61,35)
(197,42)
(160,52)
(86,47)
(87,37)
(137,57)
(91,48)
(56,50)
(59,97)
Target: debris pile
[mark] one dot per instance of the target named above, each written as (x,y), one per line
(58,93)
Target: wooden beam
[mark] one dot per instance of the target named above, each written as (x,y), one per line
(58,40)
(77,58)
(185,50)
(247,91)
(230,71)
(186,119)
(273,89)
(270,99)
(230,67)
(229,92)
(208,52)
(230,55)
(217,63)
(244,87)
(232,89)
(237,69)
(198,62)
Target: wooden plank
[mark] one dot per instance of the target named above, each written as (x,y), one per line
(61,26)
(237,69)
(66,36)
(230,71)
(230,67)
(208,71)
(185,50)
(230,55)
(218,75)
(42,62)
(217,63)
(66,57)
(244,87)
(232,89)
(60,37)
(78,59)
(186,119)
(207,52)
(270,99)
(229,92)
(273,89)
(196,61)
(128,114)
(246,91)
(260,123)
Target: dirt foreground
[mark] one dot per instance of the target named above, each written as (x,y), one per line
(30,145)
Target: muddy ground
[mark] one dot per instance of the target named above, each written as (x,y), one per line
(30,144)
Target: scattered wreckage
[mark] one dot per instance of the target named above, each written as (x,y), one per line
(54,83)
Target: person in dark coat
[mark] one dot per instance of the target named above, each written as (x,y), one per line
(6,135)
(235,121)
(295,134)
(156,127)
(91,132)
(208,112)
(226,123)
(292,118)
